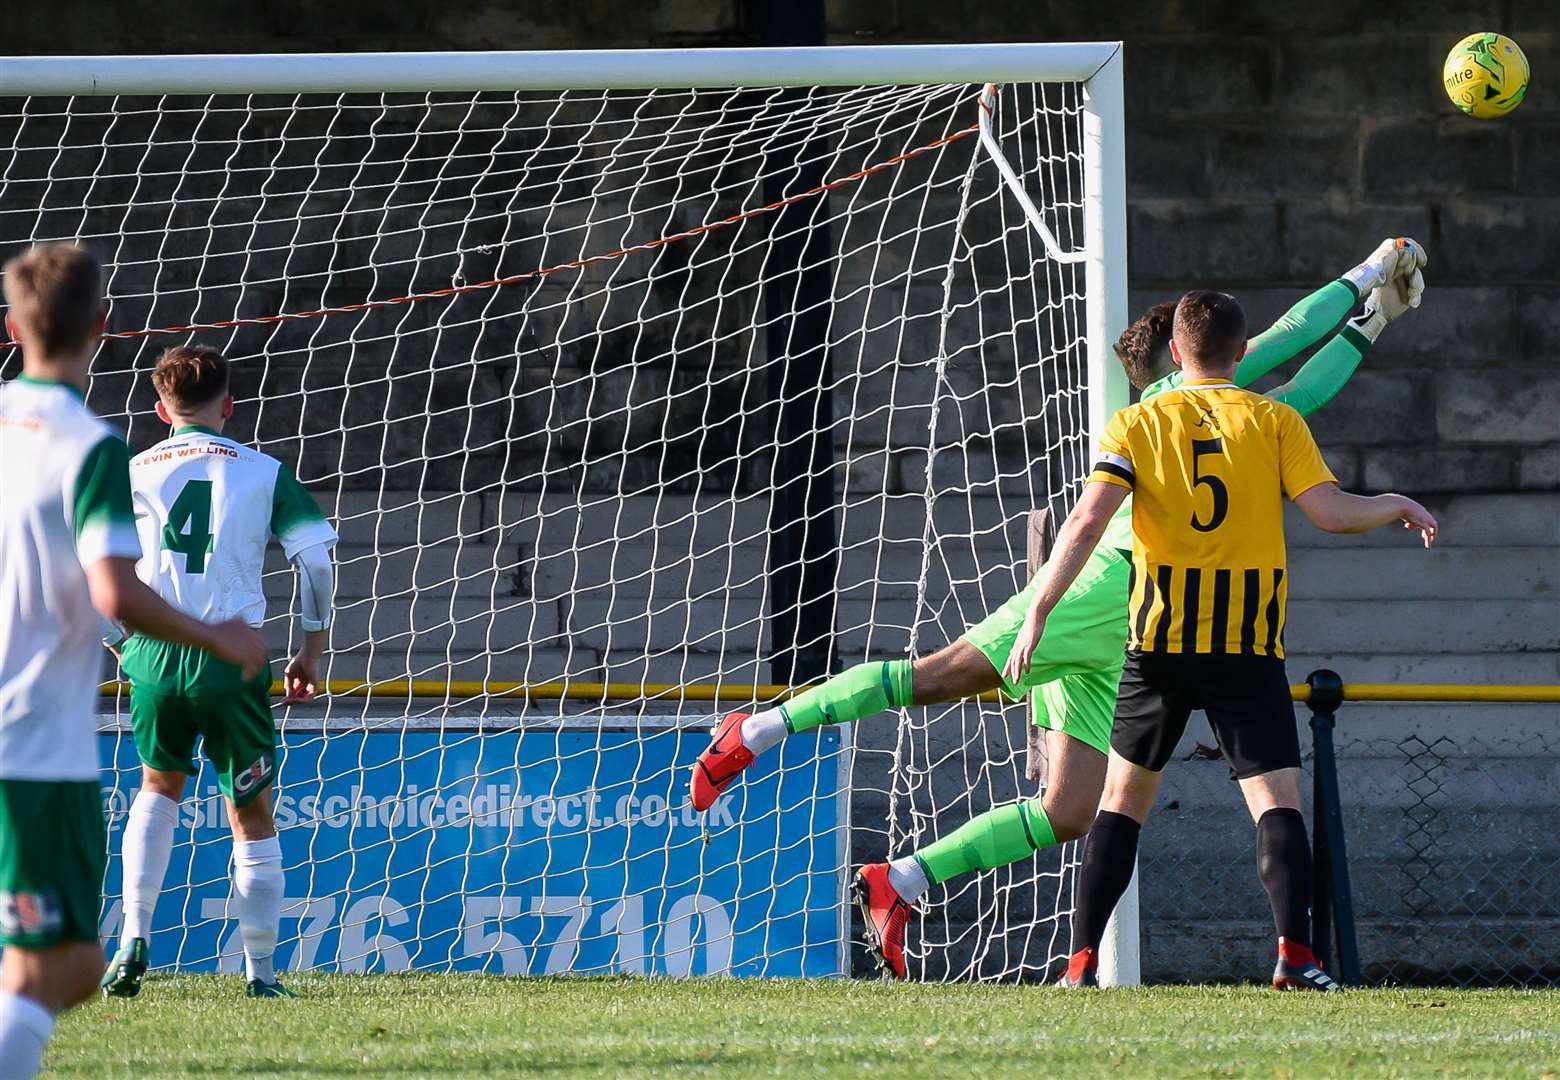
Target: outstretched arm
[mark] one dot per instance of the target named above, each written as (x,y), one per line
(1331,509)
(1297,330)
(1321,377)
(1313,317)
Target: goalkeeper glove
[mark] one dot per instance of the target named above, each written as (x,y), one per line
(1394,257)
(1387,302)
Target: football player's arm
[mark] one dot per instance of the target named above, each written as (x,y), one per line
(1321,377)
(1310,483)
(1302,326)
(307,538)
(1109,485)
(317,593)
(121,596)
(1310,320)
(1075,542)
(1331,509)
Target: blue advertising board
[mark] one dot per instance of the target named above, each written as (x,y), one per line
(516,850)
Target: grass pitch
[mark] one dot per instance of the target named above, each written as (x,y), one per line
(470,1025)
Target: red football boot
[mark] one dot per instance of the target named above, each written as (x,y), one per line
(885,915)
(721,761)
(1082,970)
(1298,970)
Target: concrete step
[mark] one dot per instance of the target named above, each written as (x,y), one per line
(434,623)
(459,567)
(1422,626)
(1483,574)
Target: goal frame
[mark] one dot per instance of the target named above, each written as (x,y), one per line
(1096,65)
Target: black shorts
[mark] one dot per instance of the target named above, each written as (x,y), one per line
(1246,698)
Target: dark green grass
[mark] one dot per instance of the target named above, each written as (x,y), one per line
(459,1025)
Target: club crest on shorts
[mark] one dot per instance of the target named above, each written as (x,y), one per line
(247,780)
(30,913)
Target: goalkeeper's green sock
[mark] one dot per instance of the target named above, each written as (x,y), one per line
(854,694)
(995,838)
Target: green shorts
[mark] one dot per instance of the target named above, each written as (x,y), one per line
(1077,667)
(53,850)
(179,693)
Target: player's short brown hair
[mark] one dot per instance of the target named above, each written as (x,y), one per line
(1210,327)
(1144,347)
(55,292)
(189,376)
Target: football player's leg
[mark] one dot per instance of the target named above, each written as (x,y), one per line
(854,694)
(36,985)
(1152,708)
(259,885)
(1253,718)
(1076,710)
(148,845)
(52,855)
(957,671)
(165,738)
(241,741)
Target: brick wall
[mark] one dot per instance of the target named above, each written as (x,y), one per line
(1269,147)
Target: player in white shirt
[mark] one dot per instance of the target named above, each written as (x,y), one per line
(67,560)
(206,507)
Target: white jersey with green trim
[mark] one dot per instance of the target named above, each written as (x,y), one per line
(206,507)
(64,505)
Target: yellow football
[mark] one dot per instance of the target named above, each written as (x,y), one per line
(1486,75)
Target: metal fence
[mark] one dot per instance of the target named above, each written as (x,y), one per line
(1436,821)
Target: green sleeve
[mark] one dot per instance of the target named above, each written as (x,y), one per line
(1321,377)
(292,505)
(103,516)
(296,519)
(1297,330)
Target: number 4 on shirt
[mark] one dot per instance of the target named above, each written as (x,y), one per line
(188,531)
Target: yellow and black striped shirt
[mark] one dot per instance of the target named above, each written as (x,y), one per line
(1209,465)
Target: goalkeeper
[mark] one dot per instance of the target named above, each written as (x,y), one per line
(1077,665)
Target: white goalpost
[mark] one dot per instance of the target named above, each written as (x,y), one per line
(640,385)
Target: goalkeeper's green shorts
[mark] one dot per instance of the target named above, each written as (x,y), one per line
(1076,669)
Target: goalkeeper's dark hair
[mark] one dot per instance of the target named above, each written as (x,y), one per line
(1210,328)
(1144,347)
(189,376)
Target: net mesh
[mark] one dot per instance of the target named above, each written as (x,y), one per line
(527,351)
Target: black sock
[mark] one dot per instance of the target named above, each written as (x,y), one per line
(1284,865)
(1109,857)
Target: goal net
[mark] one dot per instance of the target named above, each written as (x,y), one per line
(630,406)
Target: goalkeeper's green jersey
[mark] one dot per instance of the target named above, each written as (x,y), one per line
(1313,386)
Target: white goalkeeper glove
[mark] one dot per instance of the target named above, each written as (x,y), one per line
(1387,302)
(1394,257)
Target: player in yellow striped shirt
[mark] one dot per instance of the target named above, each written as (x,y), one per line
(1208,466)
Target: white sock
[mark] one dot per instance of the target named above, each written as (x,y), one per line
(259,883)
(907,878)
(25,1027)
(148,845)
(762,730)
